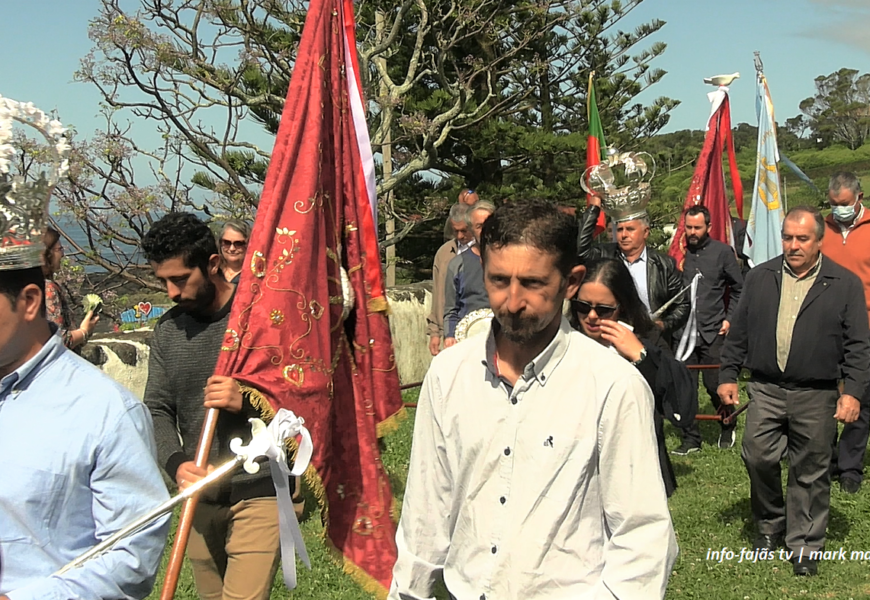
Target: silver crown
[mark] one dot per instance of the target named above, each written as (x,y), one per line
(623,184)
(24,202)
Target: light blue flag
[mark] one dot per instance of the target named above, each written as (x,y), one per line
(763,231)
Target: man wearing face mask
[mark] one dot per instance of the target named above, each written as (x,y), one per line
(848,229)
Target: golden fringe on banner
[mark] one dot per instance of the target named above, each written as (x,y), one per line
(378,304)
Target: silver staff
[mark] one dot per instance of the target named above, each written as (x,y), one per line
(668,304)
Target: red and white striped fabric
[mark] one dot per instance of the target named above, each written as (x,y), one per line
(357,107)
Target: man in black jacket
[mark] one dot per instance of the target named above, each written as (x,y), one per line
(718,294)
(801,326)
(655,274)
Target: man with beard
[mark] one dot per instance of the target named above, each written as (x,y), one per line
(534,471)
(718,294)
(800,327)
(234,545)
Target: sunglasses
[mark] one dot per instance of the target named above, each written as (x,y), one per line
(231,244)
(603,311)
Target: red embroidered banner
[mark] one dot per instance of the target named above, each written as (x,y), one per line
(287,337)
(708,183)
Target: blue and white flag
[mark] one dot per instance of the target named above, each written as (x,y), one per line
(764,228)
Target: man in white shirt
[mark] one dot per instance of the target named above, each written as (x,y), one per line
(534,470)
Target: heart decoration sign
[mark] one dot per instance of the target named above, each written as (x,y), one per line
(144,309)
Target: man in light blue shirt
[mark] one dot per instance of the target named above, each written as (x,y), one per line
(78,463)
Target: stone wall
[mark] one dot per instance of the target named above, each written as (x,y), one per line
(124,356)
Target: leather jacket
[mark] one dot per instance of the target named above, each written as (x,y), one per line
(664,280)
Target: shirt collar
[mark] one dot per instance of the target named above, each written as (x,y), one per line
(787,268)
(542,366)
(641,258)
(47,354)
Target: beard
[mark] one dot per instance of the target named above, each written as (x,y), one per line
(203,299)
(694,240)
(520,328)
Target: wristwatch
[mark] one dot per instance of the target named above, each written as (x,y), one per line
(634,363)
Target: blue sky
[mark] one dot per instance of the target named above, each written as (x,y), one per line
(42,41)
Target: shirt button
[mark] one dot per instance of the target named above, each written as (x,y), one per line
(507,451)
(502,499)
(494,549)
(543,377)
(483,597)
(513,400)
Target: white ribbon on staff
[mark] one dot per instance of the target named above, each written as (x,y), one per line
(690,333)
(284,426)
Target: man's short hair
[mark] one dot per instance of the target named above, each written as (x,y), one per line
(844,179)
(699,209)
(535,223)
(458,213)
(14,281)
(795,212)
(183,235)
(482,205)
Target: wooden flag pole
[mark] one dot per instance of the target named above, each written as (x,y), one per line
(185,523)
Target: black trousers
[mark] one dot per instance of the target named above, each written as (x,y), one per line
(798,425)
(848,458)
(707,354)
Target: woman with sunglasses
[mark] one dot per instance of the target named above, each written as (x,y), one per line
(57,305)
(233,242)
(608,310)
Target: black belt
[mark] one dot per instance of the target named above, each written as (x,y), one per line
(796,386)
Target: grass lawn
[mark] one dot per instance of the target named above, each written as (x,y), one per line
(710,511)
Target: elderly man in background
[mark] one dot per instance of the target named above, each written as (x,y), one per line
(463,288)
(655,275)
(800,327)
(467,197)
(459,243)
(848,229)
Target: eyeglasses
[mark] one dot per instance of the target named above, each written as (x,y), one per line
(234,244)
(602,310)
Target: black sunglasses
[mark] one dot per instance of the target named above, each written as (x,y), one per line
(602,310)
(233,244)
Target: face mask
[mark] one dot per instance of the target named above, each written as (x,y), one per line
(844,214)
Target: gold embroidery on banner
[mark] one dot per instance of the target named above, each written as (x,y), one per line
(336,300)
(351,227)
(232,337)
(277,317)
(294,374)
(258,264)
(316,309)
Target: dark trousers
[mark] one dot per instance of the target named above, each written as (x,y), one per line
(707,354)
(798,425)
(848,459)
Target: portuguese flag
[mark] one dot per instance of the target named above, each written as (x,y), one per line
(595,144)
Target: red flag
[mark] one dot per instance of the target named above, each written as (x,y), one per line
(595,143)
(708,182)
(287,341)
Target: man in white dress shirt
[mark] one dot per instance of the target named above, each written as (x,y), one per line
(534,470)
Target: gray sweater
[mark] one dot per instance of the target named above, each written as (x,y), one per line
(184,352)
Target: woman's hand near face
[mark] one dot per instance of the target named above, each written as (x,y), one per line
(623,339)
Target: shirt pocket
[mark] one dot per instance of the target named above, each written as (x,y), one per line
(30,504)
